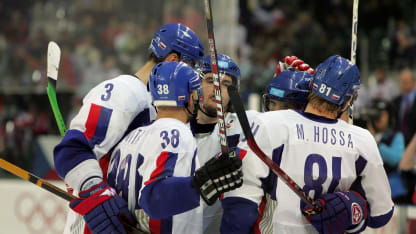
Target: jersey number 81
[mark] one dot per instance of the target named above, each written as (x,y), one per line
(314,183)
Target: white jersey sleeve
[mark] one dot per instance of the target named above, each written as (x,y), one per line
(109,111)
(163,151)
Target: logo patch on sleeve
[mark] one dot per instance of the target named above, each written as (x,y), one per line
(356,213)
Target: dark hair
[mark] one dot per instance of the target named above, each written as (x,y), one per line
(153,58)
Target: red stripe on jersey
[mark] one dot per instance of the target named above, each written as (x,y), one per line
(92,121)
(242,154)
(87,230)
(160,165)
(261,213)
(154,226)
(104,162)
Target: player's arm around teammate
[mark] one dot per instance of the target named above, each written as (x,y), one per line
(167,180)
(342,210)
(112,109)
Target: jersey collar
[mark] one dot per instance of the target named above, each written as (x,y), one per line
(317,118)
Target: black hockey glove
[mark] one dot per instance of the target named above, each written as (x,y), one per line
(217,176)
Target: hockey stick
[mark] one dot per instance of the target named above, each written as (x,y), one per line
(54,56)
(35,180)
(214,63)
(242,117)
(17,171)
(353,49)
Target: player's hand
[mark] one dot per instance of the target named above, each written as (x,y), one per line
(103,210)
(218,175)
(341,211)
(295,63)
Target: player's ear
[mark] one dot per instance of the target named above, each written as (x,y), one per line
(172,57)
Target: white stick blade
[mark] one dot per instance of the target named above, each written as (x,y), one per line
(54,56)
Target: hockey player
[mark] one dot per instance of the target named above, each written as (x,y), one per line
(205,127)
(336,164)
(153,167)
(110,111)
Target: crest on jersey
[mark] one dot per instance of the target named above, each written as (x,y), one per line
(356,213)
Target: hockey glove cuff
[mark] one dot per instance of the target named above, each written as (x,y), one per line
(341,211)
(103,209)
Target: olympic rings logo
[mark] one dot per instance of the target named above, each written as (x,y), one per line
(44,215)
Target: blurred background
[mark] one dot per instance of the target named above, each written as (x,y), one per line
(101,39)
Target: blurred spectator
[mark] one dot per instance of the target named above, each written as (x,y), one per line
(409,156)
(405,110)
(16,30)
(383,88)
(407,163)
(403,48)
(405,105)
(390,145)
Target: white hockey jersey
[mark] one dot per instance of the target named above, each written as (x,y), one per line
(208,145)
(109,111)
(160,154)
(321,156)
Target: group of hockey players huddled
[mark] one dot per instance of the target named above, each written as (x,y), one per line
(143,153)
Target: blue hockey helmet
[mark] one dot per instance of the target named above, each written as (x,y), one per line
(225,66)
(171,83)
(336,80)
(177,37)
(290,86)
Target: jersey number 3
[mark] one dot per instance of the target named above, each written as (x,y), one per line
(109,87)
(315,182)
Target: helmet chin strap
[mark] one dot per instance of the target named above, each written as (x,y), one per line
(207,114)
(195,99)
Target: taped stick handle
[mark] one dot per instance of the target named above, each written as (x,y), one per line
(50,90)
(242,117)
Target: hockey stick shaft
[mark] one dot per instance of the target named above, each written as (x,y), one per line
(242,117)
(15,170)
(53,59)
(19,172)
(214,65)
(50,90)
(353,48)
